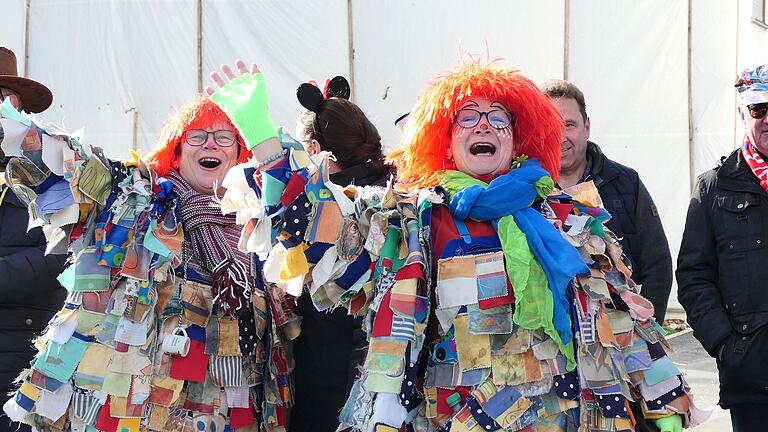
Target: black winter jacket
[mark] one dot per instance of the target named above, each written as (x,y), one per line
(29,292)
(722,271)
(330,347)
(635,220)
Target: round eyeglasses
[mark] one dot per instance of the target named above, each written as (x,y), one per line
(198,137)
(469,118)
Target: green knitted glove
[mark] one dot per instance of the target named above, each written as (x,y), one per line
(244,99)
(673,423)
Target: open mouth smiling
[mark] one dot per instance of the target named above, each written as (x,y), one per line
(209,162)
(482,149)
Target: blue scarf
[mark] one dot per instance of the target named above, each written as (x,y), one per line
(512,194)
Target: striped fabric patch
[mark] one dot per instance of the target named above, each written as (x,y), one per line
(85,406)
(403,327)
(226,371)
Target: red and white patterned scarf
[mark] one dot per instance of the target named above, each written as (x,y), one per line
(756,163)
(214,238)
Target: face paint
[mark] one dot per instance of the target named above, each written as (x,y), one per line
(482,141)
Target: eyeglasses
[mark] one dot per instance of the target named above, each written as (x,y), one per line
(469,118)
(198,137)
(757,111)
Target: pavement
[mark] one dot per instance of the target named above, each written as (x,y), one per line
(701,373)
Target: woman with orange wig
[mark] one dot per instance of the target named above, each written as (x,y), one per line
(166,327)
(492,300)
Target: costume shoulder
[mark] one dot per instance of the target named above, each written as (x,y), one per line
(311,231)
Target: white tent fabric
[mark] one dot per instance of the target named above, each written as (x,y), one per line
(638,103)
(119,67)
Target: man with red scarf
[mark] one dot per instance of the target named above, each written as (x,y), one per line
(722,270)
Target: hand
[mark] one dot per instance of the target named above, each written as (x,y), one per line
(244,99)
(229,75)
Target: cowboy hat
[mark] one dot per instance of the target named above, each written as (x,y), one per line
(35,97)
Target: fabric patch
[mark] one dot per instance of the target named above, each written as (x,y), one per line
(89,275)
(567,386)
(515,369)
(613,405)
(296,219)
(93,366)
(196,300)
(636,356)
(95,181)
(202,397)
(517,341)
(226,371)
(88,322)
(325,223)
(241,417)
(661,370)
(481,417)
(59,361)
(116,384)
(497,320)
(164,390)
(445,350)
(491,276)
(229,337)
(403,328)
(386,356)
(545,350)
(506,406)
(456,282)
(106,422)
(474,351)
(192,367)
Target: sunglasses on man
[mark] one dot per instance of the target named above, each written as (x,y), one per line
(758,111)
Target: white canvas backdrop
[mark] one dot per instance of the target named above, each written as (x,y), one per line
(12,28)
(635,83)
(104,59)
(401,45)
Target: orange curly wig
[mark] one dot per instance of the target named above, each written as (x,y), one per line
(426,140)
(199,113)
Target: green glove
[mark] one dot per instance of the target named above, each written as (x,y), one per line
(244,99)
(673,423)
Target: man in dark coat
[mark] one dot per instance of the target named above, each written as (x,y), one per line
(721,269)
(634,217)
(29,292)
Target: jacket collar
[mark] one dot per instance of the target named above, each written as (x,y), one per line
(601,172)
(735,175)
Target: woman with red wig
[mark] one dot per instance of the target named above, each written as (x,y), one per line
(492,300)
(165,326)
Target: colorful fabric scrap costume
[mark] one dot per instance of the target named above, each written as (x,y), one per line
(154,335)
(490,304)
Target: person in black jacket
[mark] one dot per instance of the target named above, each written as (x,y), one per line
(29,292)
(721,269)
(332,345)
(634,217)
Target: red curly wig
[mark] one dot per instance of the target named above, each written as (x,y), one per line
(538,126)
(199,113)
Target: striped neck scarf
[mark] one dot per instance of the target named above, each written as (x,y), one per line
(213,239)
(756,163)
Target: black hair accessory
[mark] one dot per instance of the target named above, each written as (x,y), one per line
(311,98)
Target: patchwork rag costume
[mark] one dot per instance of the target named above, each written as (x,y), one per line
(490,304)
(167,325)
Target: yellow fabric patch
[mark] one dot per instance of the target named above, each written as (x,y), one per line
(474,351)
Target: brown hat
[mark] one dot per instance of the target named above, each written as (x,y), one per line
(35,97)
